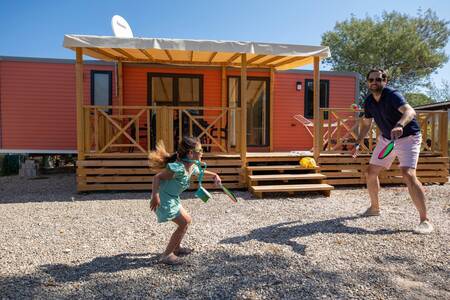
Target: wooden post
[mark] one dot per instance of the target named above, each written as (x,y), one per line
(120,96)
(120,85)
(271,102)
(444,133)
(316,107)
(244,113)
(80,102)
(224,104)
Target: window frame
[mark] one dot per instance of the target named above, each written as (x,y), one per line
(307,104)
(93,72)
(175,89)
(259,78)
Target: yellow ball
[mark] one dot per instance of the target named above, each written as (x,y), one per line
(308,163)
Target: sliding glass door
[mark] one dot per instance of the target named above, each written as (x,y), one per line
(257,109)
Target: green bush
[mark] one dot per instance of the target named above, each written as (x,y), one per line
(10,165)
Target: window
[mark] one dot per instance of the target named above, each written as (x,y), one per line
(101,87)
(175,89)
(257,108)
(309,97)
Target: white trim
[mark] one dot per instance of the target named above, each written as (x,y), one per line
(34,151)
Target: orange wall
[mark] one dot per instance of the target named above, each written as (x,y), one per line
(289,134)
(38,106)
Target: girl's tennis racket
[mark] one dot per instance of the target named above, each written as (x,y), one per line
(229,193)
(386,150)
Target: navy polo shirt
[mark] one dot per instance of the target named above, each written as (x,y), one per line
(386,114)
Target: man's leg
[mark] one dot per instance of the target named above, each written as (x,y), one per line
(373,186)
(415,191)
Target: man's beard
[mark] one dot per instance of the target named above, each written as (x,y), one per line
(376,90)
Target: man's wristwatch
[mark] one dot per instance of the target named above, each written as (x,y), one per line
(399,125)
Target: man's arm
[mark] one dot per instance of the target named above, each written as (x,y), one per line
(408,114)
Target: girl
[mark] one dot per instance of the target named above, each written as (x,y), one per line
(167,187)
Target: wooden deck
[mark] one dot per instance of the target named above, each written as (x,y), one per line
(263,172)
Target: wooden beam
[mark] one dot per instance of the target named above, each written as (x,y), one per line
(168,55)
(124,53)
(244,113)
(443,130)
(80,102)
(257,57)
(271,101)
(233,58)
(291,60)
(212,57)
(270,60)
(102,52)
(191,59)
(148,55)
(224,104)
(316,106)
(120,85)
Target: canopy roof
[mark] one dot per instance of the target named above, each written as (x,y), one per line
(195,52)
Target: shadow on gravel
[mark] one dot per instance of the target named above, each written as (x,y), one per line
(220,274)
(102,264)
(284,233)
(213,275)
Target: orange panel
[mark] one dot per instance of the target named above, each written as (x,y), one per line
(38,104)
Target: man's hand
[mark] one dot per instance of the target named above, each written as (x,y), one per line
(154,203)
(396,132)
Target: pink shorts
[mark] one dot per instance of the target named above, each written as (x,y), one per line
(407,150)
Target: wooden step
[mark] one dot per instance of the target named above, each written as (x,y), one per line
(258,190)
(286,177)
(279,168)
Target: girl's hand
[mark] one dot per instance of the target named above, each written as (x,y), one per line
(217,180)
(154,203)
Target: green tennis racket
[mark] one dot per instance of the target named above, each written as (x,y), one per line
(386,150)
(229,193)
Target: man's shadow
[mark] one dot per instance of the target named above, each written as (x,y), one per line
(284,233)
(102,264)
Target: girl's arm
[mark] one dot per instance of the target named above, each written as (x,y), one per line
(216,177)
(163,175)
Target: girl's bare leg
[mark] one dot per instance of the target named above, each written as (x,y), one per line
(183,221)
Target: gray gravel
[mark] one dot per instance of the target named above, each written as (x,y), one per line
(55,243)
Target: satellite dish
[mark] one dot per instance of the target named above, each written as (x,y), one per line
(120,27)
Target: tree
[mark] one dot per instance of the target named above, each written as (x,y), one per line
(410,49)
(416,99)
(439,94)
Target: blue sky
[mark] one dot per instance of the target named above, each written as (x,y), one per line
(36,28)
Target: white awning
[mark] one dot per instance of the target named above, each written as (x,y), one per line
(196,52)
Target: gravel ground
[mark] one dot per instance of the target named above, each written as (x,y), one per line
(55,243)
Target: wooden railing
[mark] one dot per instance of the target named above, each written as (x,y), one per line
(137,129)
(340,127)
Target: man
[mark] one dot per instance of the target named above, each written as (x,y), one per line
(396,120)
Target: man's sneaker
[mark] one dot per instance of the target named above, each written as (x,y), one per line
(424,227)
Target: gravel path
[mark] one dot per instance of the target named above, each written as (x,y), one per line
(55,243)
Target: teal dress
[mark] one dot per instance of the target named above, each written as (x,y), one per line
(170,191)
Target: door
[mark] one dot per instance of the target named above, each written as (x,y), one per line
(258,110)
(172,90)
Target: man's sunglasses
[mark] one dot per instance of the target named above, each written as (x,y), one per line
(375,79)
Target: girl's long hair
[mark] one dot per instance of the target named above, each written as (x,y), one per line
(160,157)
